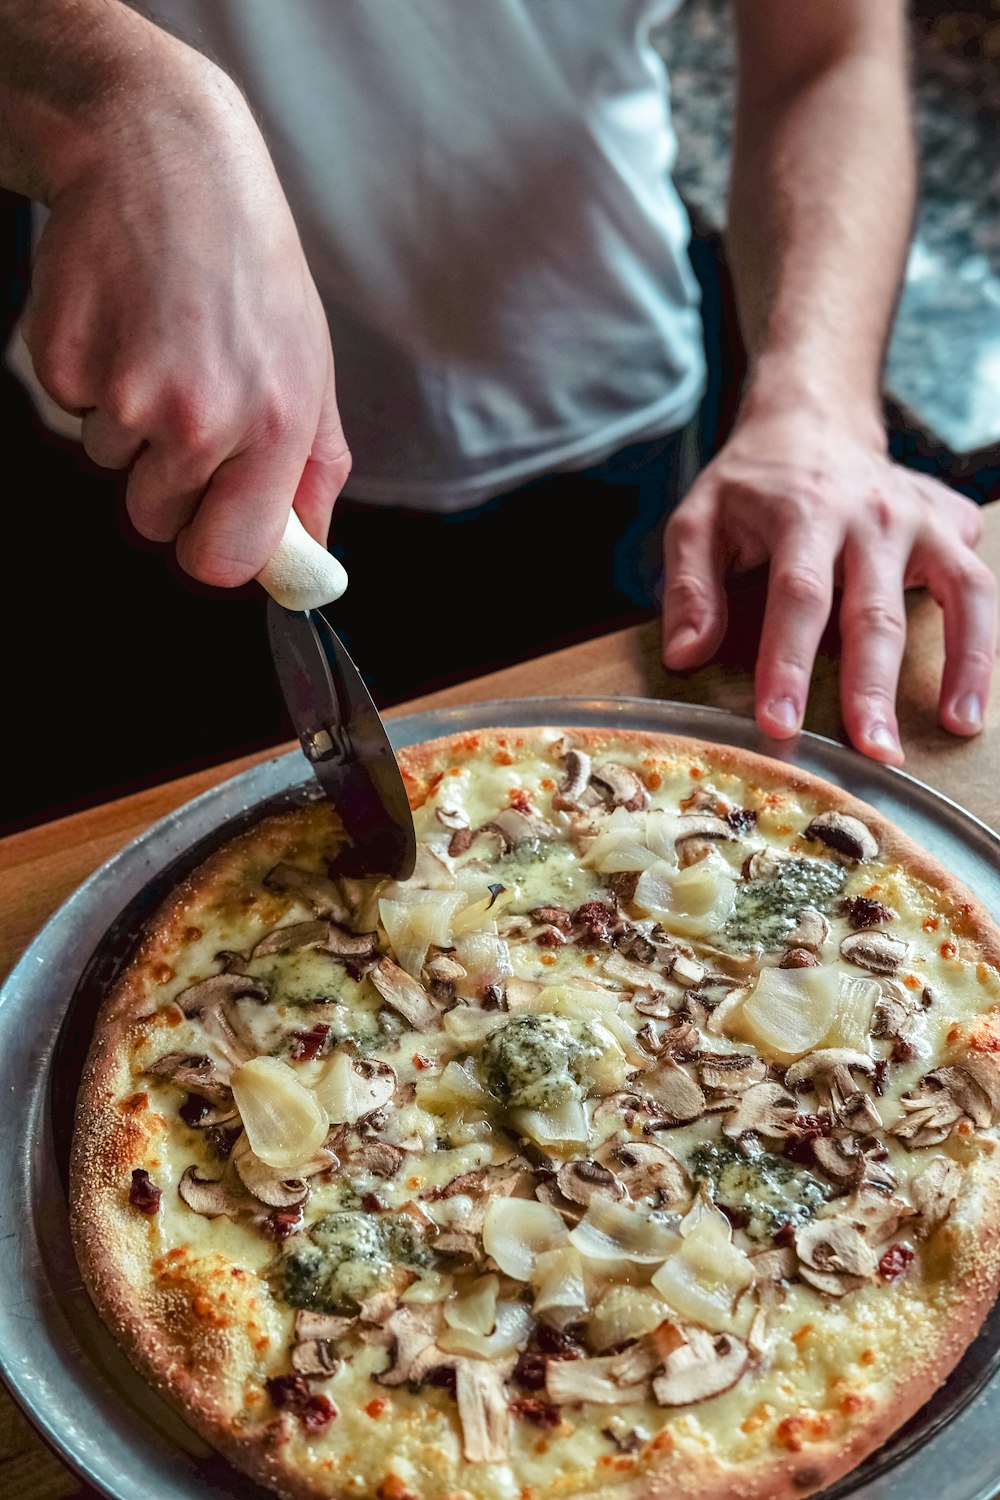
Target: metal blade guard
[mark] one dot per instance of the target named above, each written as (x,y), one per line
(345,742)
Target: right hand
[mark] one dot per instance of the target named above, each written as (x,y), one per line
(171,305)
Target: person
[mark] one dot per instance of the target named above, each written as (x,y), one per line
(470,210)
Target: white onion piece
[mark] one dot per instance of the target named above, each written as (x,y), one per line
(473,1308)
(605,1074)
(626,1038)
(446,1211)
(485,958)
(611,1230)
(621,830)
(468,1025)
(566,1125)
(516,1230)
(852,1023)
(284,1121)
(415,923)
(624,1313)
(431,871)
(433,1286)
(513,1325)
(453,1085)
(654,890)
(346,1095)
(480,915)
(562,1291)
(708,1273)
(575,998)
(662,830)
(702,897)
(789,1011)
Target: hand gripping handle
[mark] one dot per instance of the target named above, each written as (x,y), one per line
(302,574)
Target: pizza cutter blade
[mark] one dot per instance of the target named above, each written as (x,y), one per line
(344,741)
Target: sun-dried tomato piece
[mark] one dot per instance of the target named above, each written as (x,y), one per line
(143,1193)
(805,1129)
(593,923)
(742,819)
(309,1044)
(896,1261)
(292,1393)
(862,912)
(540,1413)
(281,1222)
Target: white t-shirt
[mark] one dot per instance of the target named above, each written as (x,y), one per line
(483,192)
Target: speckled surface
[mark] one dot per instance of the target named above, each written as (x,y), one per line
(943,366)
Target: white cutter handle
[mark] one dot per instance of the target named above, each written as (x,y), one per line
(302,574)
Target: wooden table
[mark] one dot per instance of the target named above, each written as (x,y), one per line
(40,867)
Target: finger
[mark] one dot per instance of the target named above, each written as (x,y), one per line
(964,516)
(163,493)
(241,517)
(326,470)
(694,601)
(110,444)
(873,635)
(967,593)
(799,596)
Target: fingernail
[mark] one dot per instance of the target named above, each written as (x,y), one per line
(783,713)
(682,640)
(882,737)
(969,711)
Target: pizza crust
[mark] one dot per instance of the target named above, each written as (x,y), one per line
(204,1367)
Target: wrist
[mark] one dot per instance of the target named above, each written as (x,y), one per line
(782,385)
(67,99)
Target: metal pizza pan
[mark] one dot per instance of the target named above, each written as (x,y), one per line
(56,1357)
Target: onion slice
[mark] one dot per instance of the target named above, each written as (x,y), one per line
(284,1121)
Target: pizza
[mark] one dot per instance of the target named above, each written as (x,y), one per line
(642,1143)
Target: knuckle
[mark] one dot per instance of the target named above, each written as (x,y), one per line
(277,420)
(876,619)
(687,591)
(971,576)
(802,586)
(58,373)
(978,660)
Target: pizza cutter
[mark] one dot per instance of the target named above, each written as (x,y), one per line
(335,719)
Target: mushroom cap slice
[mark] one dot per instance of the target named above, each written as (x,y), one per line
(765,1109)
(405,994)
(581,1180)
(209,1196)
(706,1365)
(621,784)
(672,1090)
(649,1170)
(834,1255)
(847,835)
(293,938)
(878,952)
(320,892)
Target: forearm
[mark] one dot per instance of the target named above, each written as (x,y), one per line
(71,75)
(820,207)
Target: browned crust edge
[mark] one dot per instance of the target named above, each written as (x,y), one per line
(259,1454)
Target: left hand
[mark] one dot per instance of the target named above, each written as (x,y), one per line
(825,506)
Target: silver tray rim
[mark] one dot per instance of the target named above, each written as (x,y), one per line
(57,1360)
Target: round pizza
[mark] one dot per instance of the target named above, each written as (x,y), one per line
(642,1143)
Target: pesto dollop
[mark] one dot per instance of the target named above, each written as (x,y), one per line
(765,911)
(344,1258)
(771,1190)
(538,1062)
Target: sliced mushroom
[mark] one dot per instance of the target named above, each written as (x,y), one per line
(772,1270)
(847,835)
(649,1170)
(731,1072)
(763,864)
(406,995)
(198,1075)
(211,1197)
(483,1410)
(620,785)
(705,1365)
(811,930)
(687,972)
(897,1011)
(577,766)
(517,828)
(834,1255)
(830,1074)
(582,1180)
(267,1183)
(344,944)
(935,1190)
(321,893)
(593,1380)
(293,938)
(451,818)
(799,958)
(637,976)
(930,1114)
(839,1156)
(444,968)
(766,1109)
(313,1325)
(412,1329)
(876,1213)
(878,952)
(674,1092)
(379,1158)
(208,1001)
(314,1359)
(660,1005)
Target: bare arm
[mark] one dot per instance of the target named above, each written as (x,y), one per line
(820,206)
(171,303)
